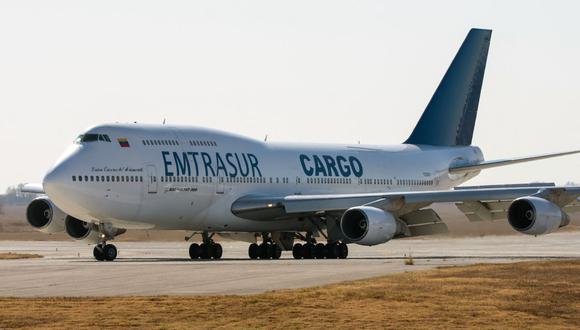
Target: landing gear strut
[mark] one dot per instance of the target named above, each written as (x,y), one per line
(103,251)
(267,250)
(207,250)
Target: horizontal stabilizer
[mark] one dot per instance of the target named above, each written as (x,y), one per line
(503,162)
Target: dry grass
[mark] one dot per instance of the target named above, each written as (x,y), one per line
(409,261)
(521,295)
(12,256)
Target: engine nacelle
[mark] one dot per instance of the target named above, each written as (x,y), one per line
(44,216)
(366,225)
(536,216)
(82,231)
(90,232)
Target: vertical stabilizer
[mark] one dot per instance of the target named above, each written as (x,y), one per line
(449,118)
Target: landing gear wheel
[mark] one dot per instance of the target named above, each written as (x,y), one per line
(265,251)
(297,251)
(216,251)
(98,253)
(194,251)
(342,250)
(204,251)
(309,251)
(254,251)
(319,251)
(110,252)
(276,251)
(332,250)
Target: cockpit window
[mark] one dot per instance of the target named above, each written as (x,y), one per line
(90,137)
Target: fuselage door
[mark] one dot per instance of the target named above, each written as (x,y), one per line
(151,179)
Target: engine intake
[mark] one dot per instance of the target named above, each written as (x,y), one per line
(44,216)
(368,225)
(536,216)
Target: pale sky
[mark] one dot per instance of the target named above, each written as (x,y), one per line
(305,71)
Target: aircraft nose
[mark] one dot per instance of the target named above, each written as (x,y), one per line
(55,182)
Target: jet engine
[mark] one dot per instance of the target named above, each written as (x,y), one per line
(44,216)
(536,216)
(90,232)
(366,225)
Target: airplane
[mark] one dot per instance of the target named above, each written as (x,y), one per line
(292,197)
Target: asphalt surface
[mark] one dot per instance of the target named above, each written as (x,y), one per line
(154,268)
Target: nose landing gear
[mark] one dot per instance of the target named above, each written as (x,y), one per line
(105,252)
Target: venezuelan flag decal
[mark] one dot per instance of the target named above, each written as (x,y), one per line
(123,142)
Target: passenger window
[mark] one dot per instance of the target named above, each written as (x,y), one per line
(74,178)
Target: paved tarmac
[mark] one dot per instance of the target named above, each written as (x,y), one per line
(154,268)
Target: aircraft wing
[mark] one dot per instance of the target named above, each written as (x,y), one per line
(35,188)
(476,202)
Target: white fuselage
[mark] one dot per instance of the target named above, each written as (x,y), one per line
(165,177)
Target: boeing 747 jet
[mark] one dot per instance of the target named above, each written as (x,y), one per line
(312,199)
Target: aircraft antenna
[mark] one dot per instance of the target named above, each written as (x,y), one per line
(266,138)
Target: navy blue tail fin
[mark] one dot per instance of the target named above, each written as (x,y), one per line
(449,118)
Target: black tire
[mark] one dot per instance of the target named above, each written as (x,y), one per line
(205,252)
(332,250)
(265,251)
(298,251)
(110,252)
(343,250)
(194,251)
(98,253)
(276,251)
(309,250)
(217,251)
(319,251)
(254,251)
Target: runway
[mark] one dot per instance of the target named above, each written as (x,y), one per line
(153,268)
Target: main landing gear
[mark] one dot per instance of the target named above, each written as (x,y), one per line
(311,250)
(267,250)
(105,252)
(206,250)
